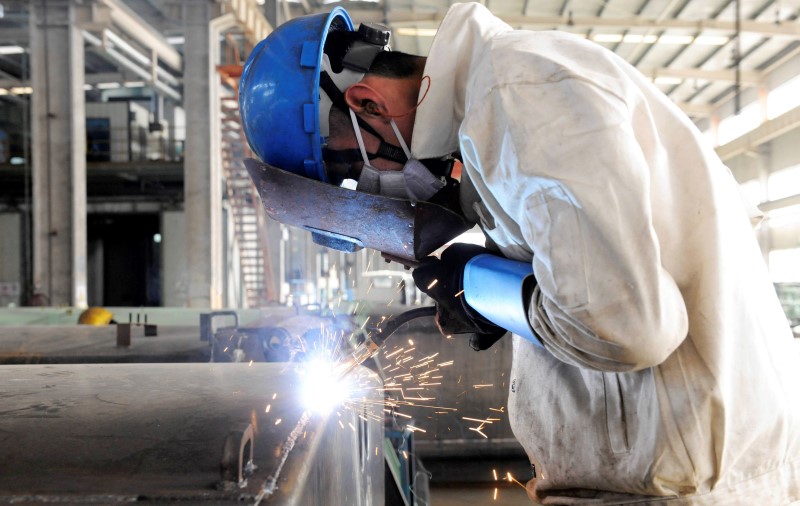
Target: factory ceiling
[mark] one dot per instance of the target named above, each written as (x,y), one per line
(699,52)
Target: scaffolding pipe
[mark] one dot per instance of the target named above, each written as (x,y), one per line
(123,61)
(151,63)
(139,30)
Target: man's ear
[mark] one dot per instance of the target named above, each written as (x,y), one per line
(362,99)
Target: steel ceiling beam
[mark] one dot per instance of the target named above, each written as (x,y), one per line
(788,30)
(747,78)
(113,12)
(764,133)
(696,110)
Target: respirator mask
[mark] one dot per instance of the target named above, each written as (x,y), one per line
(415,182)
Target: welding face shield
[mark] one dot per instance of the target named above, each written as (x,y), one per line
(289,84)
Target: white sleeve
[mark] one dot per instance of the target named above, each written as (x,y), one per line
(568,168)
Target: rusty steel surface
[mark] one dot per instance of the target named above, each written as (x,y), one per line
(105,433)
(394,226)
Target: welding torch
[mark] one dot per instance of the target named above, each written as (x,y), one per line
(379,334)
(375,339)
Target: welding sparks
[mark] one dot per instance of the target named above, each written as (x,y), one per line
(323,387)
(476,429)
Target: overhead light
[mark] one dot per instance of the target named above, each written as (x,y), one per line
(3,91)
(176,40)
(107,86)
(416,32)
(611,38)
(22,90)
(629,38)
(633,38)
(676,39)
(87,87)
(4,50)
(134,84)
(711,40)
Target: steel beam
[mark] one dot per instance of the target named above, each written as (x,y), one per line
(764,133)
(789,30)
(105,12)
(729,75)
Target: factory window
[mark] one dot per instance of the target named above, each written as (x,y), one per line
(98,139)
(780,100)
(784,183)
(783,98)
(784,265)
(735,126)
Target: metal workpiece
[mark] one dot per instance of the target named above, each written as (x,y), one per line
(72,344)
(202,433)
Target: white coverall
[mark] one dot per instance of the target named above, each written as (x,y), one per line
(668,367)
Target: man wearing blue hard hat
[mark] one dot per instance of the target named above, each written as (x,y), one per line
(652,360)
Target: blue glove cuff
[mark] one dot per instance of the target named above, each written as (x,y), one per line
(493,288)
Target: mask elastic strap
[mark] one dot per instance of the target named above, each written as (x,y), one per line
(400,139)
(359,137)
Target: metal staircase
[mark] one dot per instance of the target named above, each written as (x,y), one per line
(248,218)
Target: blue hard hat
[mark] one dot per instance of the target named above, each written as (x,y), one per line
(279,93)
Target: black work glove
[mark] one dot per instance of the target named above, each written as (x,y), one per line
(443,280)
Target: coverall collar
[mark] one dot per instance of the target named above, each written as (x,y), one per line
(464,30)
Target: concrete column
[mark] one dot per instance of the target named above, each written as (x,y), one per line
(58,125)
(202,171)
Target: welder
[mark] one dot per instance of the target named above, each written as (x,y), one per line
(651,359)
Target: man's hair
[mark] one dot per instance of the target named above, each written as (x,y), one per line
(396,65)
(339,121)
